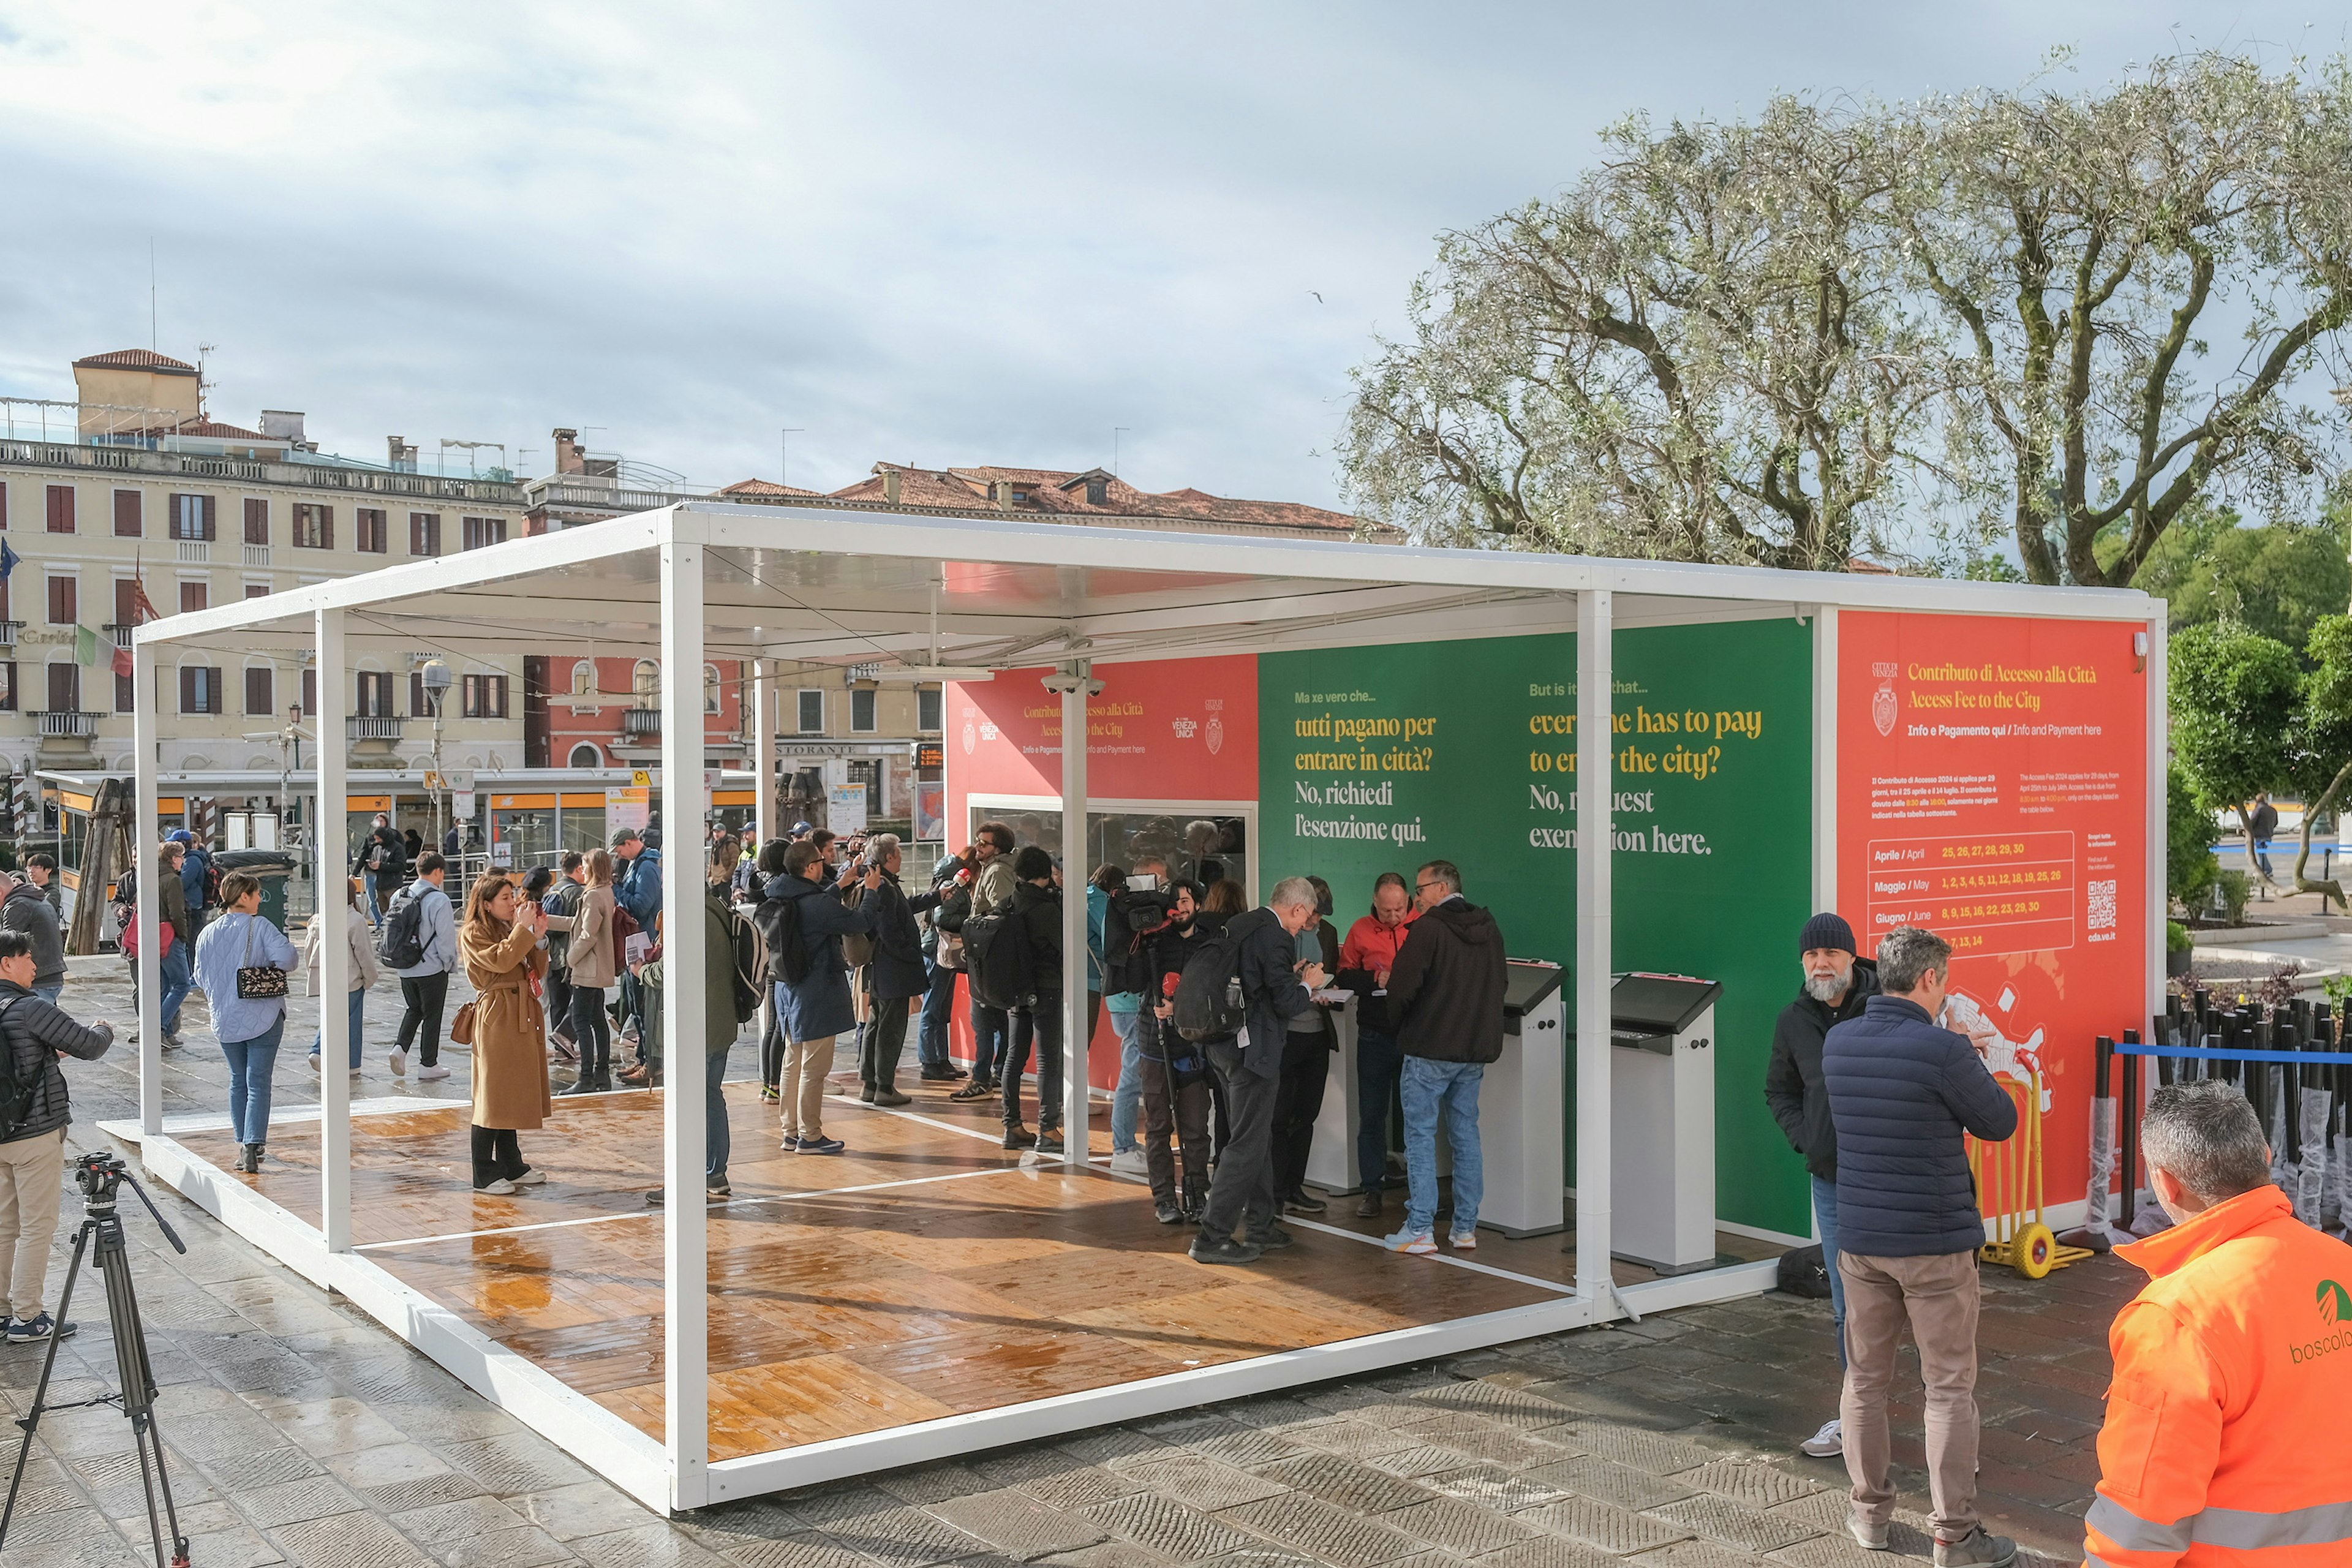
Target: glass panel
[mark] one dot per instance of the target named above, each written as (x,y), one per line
(1203,850)
(583,828)
(532,831)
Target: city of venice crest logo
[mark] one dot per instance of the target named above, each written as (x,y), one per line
(2335,1303)
(1881,701)
(971,737)
(1214,735)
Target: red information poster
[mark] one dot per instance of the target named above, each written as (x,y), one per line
(1992,787)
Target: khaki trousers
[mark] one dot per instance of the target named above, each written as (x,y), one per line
(1938,1296)
(800,1087)
(32,1179)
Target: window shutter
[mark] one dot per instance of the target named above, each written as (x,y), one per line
(126,601)
(214,701)
(861,709)
(4,520)
(499,685)
(259,698)
(256,522)
(928,702)
(127,516)
(188,689)
(812,712)
(8,686)
(194,596)
(65,687)
(61,508)
(310,692)
(126,692)
(64,610)
(418,707)
(205,516)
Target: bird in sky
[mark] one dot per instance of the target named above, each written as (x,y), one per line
(1319,298)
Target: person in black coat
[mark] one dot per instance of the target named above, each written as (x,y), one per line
(1037,906)
(1173,1070)
(34,1033)
(1836,985)
(1905,1095)
(1446,992)
(1273,986)
(895,976)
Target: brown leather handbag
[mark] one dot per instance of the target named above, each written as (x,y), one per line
(461,1027)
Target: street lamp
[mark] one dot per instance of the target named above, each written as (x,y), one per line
(435,678)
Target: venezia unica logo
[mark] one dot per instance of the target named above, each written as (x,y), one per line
(2334,1302)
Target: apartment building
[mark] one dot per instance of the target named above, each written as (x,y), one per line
(133,493)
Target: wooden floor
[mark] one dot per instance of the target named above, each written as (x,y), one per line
(925,1272)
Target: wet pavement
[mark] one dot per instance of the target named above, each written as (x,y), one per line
(301,1432)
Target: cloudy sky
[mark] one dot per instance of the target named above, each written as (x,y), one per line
(930,233)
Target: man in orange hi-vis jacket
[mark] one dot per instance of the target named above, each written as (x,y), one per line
(2229,1432)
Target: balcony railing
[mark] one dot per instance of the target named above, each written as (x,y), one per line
(67,723)
(195,551)
(371,727)
(120,632)
(257,555)
(8,630)
(636,721)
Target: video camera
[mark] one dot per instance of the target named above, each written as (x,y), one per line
(1137,913)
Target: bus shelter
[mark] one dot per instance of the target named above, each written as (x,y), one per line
(1983,759)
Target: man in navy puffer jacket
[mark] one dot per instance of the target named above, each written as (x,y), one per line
(1903,1091)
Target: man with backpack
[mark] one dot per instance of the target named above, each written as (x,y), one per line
(639,891)
(1015,951)
(199,883)
(801,921)
(1234,995)
(420,946)
(382,862)
(34,1115)
(895,972)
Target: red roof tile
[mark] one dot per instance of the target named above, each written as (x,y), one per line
(136,359)
(1056,492)
(766,488)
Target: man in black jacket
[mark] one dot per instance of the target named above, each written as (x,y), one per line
(1836,985)
(1274,986)
(1446,992)
(895,976)
(1037,1021)
(1903,1093)
(27,908)
(33,1033)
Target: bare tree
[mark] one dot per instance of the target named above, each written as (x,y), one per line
(1701,351)
(2083,248)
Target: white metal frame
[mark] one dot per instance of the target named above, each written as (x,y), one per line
(1169,595)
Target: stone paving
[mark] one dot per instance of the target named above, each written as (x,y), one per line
(301,1432)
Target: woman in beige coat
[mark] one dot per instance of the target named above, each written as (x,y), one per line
(499,943)
(362,971)
(590,954)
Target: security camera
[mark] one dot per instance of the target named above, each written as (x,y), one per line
(1066,681)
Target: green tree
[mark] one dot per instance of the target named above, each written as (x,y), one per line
(2234,697)
(2277,580)
(2320,758)
(2189,838)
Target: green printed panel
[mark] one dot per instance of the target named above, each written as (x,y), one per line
(1376,759)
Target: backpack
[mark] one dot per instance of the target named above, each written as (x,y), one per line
(212,884)
(857,946)
(1209,1005)
(625,926)
(1802,1273)
(749,970)
(564,900)
(401,946)
(996,953)
(778,923)
(15,1099)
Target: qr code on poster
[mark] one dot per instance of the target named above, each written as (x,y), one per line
(2102,905)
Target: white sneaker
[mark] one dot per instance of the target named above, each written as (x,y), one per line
(432,1074)
(314,1064)
(1826,1444)
(399,1064)
(501,1187)
(1420,1243)
(1130,1163)
(532,1176)
(1464,1241)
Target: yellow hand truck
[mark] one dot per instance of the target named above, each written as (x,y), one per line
(2008,1189)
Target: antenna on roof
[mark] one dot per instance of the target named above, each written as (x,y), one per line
(202,350)
(152,345)
(1116,432)
(784,460)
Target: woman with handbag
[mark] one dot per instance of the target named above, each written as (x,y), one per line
(241,964)
(362,972)
(498,943)
(593,968)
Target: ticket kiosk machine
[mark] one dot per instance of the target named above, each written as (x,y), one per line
(1662,1144)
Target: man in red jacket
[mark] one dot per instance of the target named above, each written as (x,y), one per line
(1365,960)
(2224,1439)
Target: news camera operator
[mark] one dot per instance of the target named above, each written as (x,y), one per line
(34,1033)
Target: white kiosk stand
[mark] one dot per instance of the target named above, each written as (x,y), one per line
(1662,1145)
(1521,1109)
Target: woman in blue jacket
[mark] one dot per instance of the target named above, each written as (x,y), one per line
(249,1028)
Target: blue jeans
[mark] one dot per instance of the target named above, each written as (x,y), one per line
(1825,1212)
(1377,1062)
(359,1015)
(177,984)
(1126,1099)
(50,994)
(939,1004)
(250,1063)
(716,1144)
(1449,1090)
(374,904)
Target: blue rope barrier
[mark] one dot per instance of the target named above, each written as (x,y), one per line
(2190,1053)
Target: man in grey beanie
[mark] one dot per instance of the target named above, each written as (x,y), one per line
(1836,985)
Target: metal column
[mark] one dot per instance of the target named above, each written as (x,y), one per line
(332,860)
(1077,685)
(1594,612)
(143,844)
(686,801)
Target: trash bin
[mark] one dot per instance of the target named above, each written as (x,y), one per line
(1661,1142)
(273,866)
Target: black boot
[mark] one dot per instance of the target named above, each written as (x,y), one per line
(586,1083)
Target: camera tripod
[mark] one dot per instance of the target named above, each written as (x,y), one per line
(100,1176)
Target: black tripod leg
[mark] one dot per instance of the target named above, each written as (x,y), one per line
(137,1375)
(41,1390)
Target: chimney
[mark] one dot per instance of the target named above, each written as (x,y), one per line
(402,456)
(890,486)
(568,458)
(1002,490)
